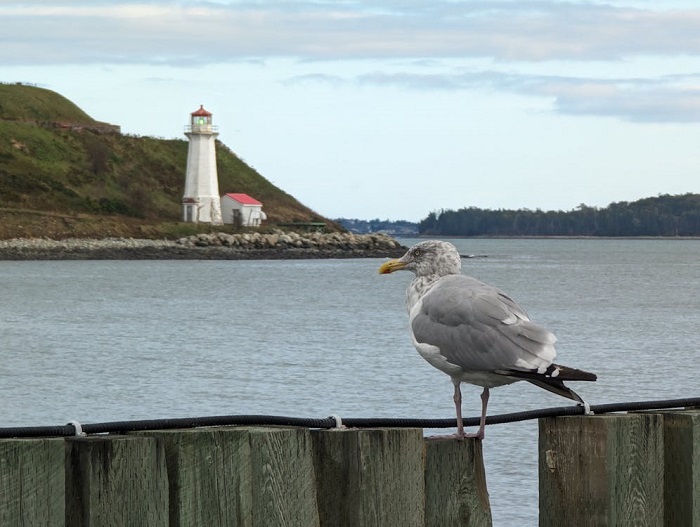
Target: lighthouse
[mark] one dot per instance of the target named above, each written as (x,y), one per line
(201,201)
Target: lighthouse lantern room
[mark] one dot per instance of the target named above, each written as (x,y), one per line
(201,202)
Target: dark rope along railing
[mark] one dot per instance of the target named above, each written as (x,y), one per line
(75,428)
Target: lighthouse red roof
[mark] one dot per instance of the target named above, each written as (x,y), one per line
(243,199)
(201,112)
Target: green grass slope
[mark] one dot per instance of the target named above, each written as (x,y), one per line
(28,103)
(64,174)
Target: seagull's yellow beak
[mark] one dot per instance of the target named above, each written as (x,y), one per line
(391,266)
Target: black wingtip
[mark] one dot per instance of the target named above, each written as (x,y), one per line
(553,372)
(565,373)
(552,379)
(558,387)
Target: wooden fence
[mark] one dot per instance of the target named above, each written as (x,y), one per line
(622,469)
(640,469)
(243,476)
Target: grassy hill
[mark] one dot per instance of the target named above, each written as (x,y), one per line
(63,174)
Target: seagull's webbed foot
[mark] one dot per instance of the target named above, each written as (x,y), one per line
(452,436)
(459,437)
(478,435)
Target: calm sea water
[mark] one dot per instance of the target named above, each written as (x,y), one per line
(111,340)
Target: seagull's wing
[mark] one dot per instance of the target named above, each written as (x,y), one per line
(479,328)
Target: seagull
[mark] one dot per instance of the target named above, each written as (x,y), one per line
(474,332)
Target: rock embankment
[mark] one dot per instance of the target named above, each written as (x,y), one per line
(216,246)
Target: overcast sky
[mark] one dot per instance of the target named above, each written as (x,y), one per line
(392,109)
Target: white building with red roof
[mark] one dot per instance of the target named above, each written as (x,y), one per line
(242,210)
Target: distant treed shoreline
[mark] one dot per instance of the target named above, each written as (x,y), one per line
(663,216)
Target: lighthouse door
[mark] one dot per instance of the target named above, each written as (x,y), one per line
(189,213)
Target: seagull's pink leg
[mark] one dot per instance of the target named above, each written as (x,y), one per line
(482,421)
(484,404)
(460,423)
(458,408)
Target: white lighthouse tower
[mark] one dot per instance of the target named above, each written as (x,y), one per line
(201,201)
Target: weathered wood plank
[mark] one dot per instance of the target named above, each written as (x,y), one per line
(32,482)
(116,481)
(282,478)
(370,477)
(209,476)
(455,484)
(240,476)
(601,470)
(682,468)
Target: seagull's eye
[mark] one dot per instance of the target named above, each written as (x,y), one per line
(418,253)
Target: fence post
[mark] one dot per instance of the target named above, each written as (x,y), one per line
(32,482)
(370,477)
(239,476)
(283,479)
(455,484)
(605,470)
(682,468)
(116,480)
(209,476)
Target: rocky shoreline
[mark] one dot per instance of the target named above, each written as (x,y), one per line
(278,245)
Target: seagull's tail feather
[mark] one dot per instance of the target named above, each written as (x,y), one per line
(552,379)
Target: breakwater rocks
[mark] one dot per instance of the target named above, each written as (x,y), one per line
(217,246)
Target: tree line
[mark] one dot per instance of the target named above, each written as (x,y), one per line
(393,228)
(665,215)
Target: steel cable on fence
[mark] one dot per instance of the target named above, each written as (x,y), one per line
(74,428)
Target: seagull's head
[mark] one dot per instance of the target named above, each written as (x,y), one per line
(428,258)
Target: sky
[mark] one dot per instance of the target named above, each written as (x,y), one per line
(393,109)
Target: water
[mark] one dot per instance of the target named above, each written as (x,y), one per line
(112,340)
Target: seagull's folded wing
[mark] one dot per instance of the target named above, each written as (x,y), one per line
(479,328)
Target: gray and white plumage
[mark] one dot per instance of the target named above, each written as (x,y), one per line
(473,331)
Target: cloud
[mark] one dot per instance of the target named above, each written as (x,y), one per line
(422,36)
(211,32)
(668,98)
(632,103)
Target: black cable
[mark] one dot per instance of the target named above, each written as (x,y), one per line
(330,422)
(524,415)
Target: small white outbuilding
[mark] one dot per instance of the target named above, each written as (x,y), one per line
(241,209)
